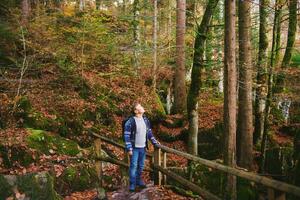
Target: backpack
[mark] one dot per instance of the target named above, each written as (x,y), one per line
(123,126)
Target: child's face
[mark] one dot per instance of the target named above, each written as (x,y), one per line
(139,109)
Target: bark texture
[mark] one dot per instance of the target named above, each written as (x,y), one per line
(261,82)
(291,33)
(245,113)
(136,35)
(230,96)
(198,63)
(25,11)
(179,79)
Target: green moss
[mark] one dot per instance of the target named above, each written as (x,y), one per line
(77,178)
(245,190)
(43,142)
(15,154)
(5,189)
(279,161)
(37,186)
(210,142)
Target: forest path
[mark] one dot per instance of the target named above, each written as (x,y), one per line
(149,193)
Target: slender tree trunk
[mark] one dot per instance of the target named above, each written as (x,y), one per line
(230,96)
(179,79)
(278,12)
(291,33)
(169,26)
(136,35)
(198,63)
(270,88)
(25,11)
(98,4)
(154,44)
(261,87)
(81,5)
(124,6)
(245,113)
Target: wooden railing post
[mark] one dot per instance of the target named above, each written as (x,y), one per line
(98,164)
(124,170)
(157,162)
(281,196)
(164,163)
(271,194)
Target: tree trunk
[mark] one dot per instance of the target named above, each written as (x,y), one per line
(190,12)
(98,4)
(25,11)
(278,13)
(291,33)
(198,63)
(270,88)
(179,79)
(81,5)
(261,87)
(245,114)
(154,44)
(230,96)
(136,36)
(124,6)
(169,30)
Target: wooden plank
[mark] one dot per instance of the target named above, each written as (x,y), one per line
(112,142)
(98,164)
(164,165)
(157,162)
(278,185)
(280,196)
(271,194)
(188,184)
(119,162)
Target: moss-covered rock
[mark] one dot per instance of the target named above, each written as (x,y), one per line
(46,142)
(5,189)
(279,161)
(15,154)
(77,178)
(210,142)
(35,186)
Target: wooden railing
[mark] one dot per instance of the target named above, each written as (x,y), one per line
(161,172)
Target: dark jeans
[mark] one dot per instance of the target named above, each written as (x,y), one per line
(136,167)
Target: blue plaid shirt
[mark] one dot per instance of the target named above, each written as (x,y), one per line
(130,131)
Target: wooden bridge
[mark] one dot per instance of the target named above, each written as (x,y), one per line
(276,190)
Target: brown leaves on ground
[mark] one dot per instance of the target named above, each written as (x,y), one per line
(85,195)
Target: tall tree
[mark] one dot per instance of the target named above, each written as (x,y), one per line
(291,33)
(179,79)
(261,82)
(270,88)
(169,26)
(81,5)
(25,11)
(198,63)
(98,4)
(136,35)
(230,96)
(154,44)
(245,114)
(278,15)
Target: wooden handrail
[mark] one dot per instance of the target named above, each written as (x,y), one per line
(278,185)
(109,141)
(270,183)
(188,184)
